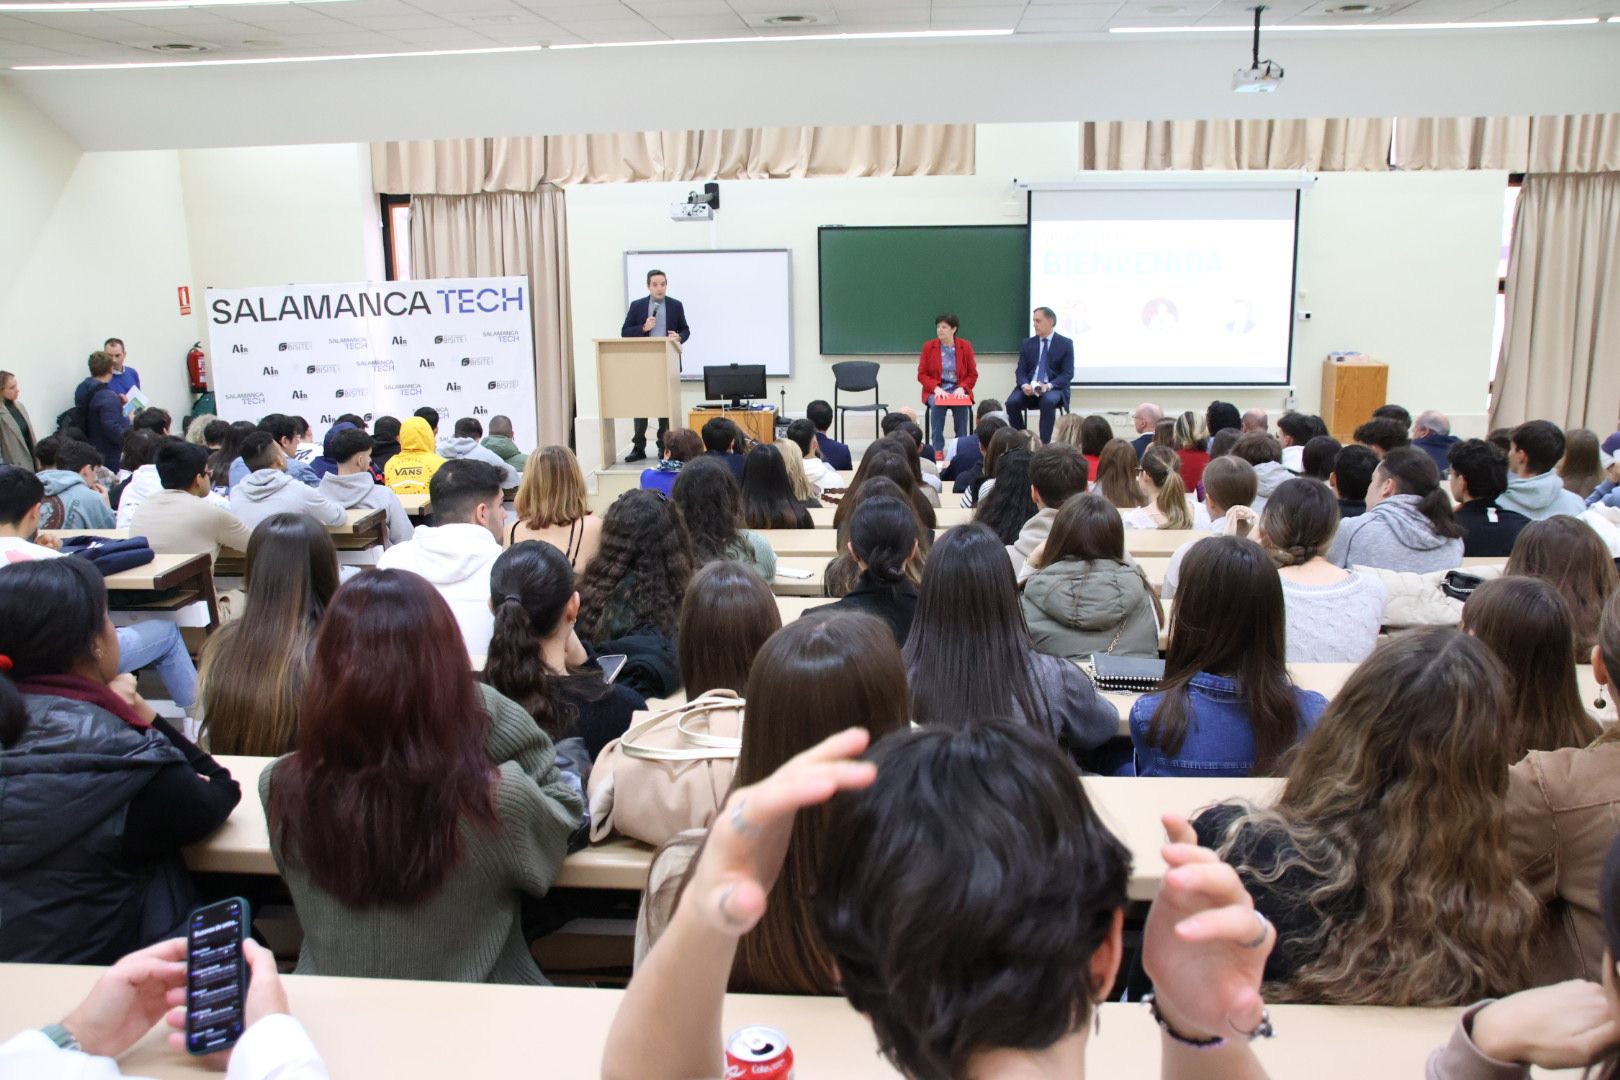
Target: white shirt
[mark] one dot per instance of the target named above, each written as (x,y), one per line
(275,1048)
(456,559)
(821,475)
(14,549)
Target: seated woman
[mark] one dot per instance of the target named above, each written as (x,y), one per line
(768,501)
(1383,863)
(945,367)
(1115,476)
(883,538)
(1006,440)
(1569,555)
(420,806)
(793,460)
(1095,434)
(1334,615)
(969,654)
(1004,509)
(1229,488)
(1190,440)
(1165,492)
(1083,597)
(1226,706)
(552,507)
(807,681)
(728,615)
(100,794)
(842,571)
(1408,524)
(680,446)
(710,500)
(636,582)
(892,459)
(255,666)
(536,659)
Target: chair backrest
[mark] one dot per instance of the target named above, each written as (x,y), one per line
(855,376)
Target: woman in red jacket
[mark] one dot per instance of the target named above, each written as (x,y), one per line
(946,367)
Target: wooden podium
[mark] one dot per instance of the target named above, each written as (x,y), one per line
(1351,390)
(636,377)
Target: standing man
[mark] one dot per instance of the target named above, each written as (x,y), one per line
(124,377)
(654,315)
(98,413)
(1045,369)
(1146,418)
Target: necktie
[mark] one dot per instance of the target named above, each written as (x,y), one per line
(1040,368)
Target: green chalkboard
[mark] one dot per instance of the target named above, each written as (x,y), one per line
(881,287)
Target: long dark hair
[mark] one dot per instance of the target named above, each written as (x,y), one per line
(883,536)
(711,502)
(1003,442)
(895,459)
(1009,503)
(640,572)
(391,755)
(255,667)
(1228,620)
(842,572)
(767,493)
(230,448)
(968,656)
(1414,473)
(1095,433)
(1116,475)
(1088,528)
(1568,553)
(728,615)
(51,613)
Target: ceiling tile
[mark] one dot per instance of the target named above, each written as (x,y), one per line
(654,9)
(695,25)
(986,17)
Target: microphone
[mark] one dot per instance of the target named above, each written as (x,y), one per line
(655,309)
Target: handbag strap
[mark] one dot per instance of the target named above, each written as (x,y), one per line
(707,746)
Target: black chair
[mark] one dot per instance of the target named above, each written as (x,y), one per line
(857,377)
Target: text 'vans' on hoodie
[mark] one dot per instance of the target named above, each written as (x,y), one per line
(1075,607)
(358,490)
(1268,477)
(1540,497)
(456,559)
(82,507)
(143,482)
(1395,535)
(268,492)
(411,470)
(452,447)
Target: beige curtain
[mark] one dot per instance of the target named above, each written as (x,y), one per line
(1318,145)
(1527,144)
(510,233)
(1561,347)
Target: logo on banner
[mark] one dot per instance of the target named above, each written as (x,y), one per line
(425,363)
(404,389)
(503,384)
(349,342)
(295,346)
(299,395)
(350,391)
(452,388)
(271,371)
(505,337)
(374,365)
(479,410)
(246,397)
(477,361)
(328,418)
(239,348)
(449,339)
(321,369)
(399,341)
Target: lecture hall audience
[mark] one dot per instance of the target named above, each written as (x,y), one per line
(1409,524)
(1334,615)
(1084,596)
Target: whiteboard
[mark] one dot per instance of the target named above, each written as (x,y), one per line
(739,304)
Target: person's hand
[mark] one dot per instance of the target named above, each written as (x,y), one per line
(574,654)
(1038,556)
(49,540)
(1028,388)
(129,998)
(647,327)
(124,686)
(675,335)
(1564,1026)
(749,839)
(265,996)
(1199,945)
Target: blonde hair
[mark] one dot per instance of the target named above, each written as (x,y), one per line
(793,458)
(1067,429)
(1163,467)
(1190,432)
(553,489)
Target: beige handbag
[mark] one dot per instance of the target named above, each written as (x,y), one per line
(669,772)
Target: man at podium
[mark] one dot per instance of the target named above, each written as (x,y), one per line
(654,315)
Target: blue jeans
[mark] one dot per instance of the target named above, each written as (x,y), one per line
(959,414)
(157,644)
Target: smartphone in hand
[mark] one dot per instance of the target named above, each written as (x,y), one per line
(216,976)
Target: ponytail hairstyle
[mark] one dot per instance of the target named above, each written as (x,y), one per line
(51,613)
(1164,469)
(530,586)
(1298,522)
(882,535)
(842,572)
(1414,473)
(230,448)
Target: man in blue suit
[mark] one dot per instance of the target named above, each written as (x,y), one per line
(654,315)
(1045,369)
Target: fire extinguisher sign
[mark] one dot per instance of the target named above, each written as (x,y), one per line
(185,299)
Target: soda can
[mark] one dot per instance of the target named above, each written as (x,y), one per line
(758,1053)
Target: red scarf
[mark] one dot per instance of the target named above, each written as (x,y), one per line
(79,688)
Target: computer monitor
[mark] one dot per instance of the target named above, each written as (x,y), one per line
(734,382)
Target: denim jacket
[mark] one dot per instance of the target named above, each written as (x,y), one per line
(1219,740)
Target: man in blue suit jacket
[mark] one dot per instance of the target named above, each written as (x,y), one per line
(654,315)
(1045,369)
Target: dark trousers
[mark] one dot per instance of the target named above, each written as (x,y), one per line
(1049,403)
(639,440)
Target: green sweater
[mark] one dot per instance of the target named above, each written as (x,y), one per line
(507,451)
(472,930)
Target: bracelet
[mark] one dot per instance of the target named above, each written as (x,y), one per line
(61,1036)
(1263,1030)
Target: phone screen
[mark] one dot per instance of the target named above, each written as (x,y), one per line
(611,664)
(216,976)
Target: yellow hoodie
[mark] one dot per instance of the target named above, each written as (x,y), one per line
(410,470)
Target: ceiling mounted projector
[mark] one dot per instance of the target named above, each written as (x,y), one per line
(1261,76)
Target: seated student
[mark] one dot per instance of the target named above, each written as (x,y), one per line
(816,471)
(768,501)
(352,486)
(457,551)
(283,432)
(1226,706)
(904,438)
(501,442)
(636,582)
(1165,490)
(255,666)
(553,507)
(1294,431)
(1353,469)
(535,658)
(1607,493)
(1408,524)
(324,464)
(429,416)
(1190,440)
(833,452)
(1083,596)
(1263,452)
(393,729)
(1398,413)
(1115,478)
(306,450)
(967,452)
(1431,433)
(1222,416)
(1534,487)
(811,677)
(883,537)
(1229,487)
(73,497)
(804,493)
(971,473)
(1333,615)
(1318,459)
(722,440)
(1582,467)
(1056,472)
(384,442)
(1004,509)
(137,479)
(1095,433)
(711,503)
(465,444)
(1478,479)
(970,655)
(182,519)
(101,793)
(224,457)
(1381,435)
(842,572)
(1566,553)
(681,445)
(213,434)
(1383,864)
(157,421)
(1004,441)
(726,617)
(269,489)
(411,470)
(956,981)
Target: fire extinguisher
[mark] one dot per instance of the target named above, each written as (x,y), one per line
(197,369)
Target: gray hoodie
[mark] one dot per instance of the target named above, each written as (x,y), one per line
(1268,477)
(1540,497)
(1395,535)
(268,492)
(82,508)
(451,448)
(360,490)
(1076,606)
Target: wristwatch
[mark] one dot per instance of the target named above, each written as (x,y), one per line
(61,1036)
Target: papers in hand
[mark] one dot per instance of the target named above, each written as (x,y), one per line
(135,401)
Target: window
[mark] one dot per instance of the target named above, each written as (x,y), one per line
(396,229)
(1510,203)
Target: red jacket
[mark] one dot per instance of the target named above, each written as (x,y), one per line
(932,362)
